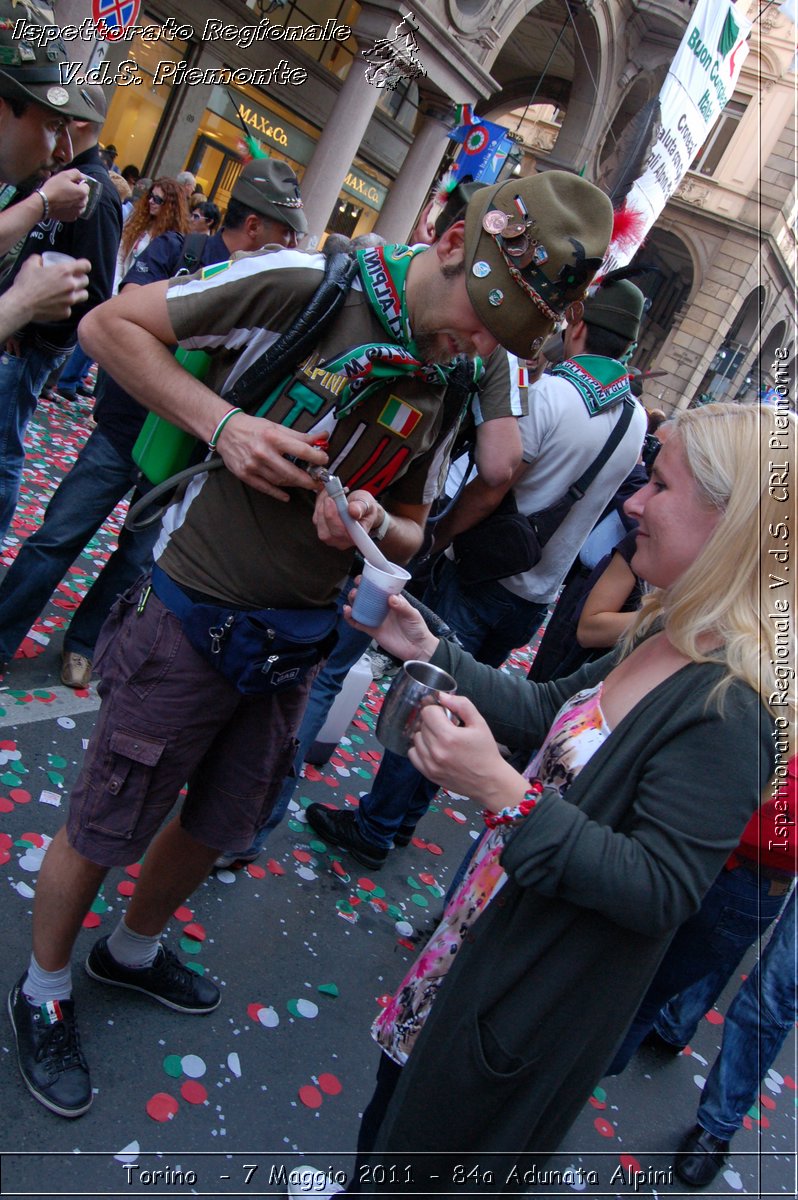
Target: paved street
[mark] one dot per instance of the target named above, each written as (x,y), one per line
(304,944)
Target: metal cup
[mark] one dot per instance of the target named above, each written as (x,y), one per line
(402,706)
(95,188)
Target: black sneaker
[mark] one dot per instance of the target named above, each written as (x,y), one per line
(404,835)
(168,981)
(341,829)
(49,1054)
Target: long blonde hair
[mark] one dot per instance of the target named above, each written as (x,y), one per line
(736,591)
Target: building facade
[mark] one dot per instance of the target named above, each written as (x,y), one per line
(366,129)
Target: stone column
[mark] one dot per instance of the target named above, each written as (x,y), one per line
(409,191)
(335,149)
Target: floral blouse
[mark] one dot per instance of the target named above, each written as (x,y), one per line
(576,733)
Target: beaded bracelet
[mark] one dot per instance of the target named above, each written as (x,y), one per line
(231,412)
(515,812)
(45,203)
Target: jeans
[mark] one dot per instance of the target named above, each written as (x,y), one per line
(705,950)
(328,683)
(490,622)
(76,367)
(757,1024)
(95,485)
(21,381)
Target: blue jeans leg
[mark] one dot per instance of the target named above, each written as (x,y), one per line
(76,367)
(21,381)
(757,1024)
(131,559)
(489,626)
(704,952)
(85,497)
(326,686)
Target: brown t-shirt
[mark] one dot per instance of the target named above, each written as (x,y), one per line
(223,538)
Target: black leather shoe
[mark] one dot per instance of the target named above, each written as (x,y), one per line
(341,829)
(404,835)
(48,1049)
(700,1157)
(655,1041)
(168,981)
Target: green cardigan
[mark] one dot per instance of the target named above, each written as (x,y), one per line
(553,971)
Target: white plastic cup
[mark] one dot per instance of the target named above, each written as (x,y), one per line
(371,599)
(51,258)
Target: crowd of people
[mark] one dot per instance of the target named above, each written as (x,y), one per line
(621,784)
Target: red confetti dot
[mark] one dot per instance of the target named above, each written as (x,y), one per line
(766,1101)
(195,931)
(354,801)
(404,942)
(5,856)
(311,773)
(339,870)
(6,805)
(368,885)
(91,921)
(302,856)
(427,878)
(419,842)
(604,1128)
(378,903)
(310,1096)
(433,849)
(126,887)
(183,913)
(20,796)
(6,841)
(384,1000)
(256,871)
(34,839)
(594,1102)
(747,1123)
(628,1163)
(764,1122)
(254,1009)
(161,1107)
(134,870)
(193,1092)
(8,745)
(790,1082)
(330,780)
(714,1017)
(274,867)
(330,1085)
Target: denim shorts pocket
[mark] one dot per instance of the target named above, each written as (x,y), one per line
(120,794)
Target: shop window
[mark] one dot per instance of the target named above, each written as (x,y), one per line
(135,111)
(344,218)
(720,136)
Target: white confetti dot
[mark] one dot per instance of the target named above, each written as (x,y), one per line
(234,1065)
(699,1081)
(24,890)
(733,1180)
(32,859)
(404,928)
(68,723)
(306,873)
(306,1008)
(193,1066)
(226,876)
(268,1017)
(129,1154)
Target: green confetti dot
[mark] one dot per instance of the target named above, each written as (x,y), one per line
(600,1093)
(318,846)
(9,779)
(98,905)
(41,694)
(395,912)
(356,738)
(55,760)
(344,906)
(18,768)
(377,891)
(190,945)
(419,900)
(434,890)
(296,826)
(173,1065)
(753,1112)
(413,883)
(55,779)
(362,772)
(328,989)
(196,967)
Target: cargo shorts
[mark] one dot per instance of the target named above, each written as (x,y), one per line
(167,719)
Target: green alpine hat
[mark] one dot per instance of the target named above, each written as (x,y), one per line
(532,246)
(29,68)
(270,187)
(618,306)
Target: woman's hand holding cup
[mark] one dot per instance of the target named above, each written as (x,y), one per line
(403,632)
(462,755)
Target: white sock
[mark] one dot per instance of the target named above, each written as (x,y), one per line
(41,986)
(132,949)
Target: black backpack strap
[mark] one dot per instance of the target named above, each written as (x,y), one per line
(191,253)
(302,335)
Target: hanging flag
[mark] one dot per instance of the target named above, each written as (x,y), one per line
(464,114)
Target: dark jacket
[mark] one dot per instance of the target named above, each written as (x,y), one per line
(96,238)
(553,971)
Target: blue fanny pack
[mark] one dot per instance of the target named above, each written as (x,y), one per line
(257,650)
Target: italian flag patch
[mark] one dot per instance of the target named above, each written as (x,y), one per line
(399,417)
(51,1012)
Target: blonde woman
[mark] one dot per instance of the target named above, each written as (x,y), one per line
(651,763)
